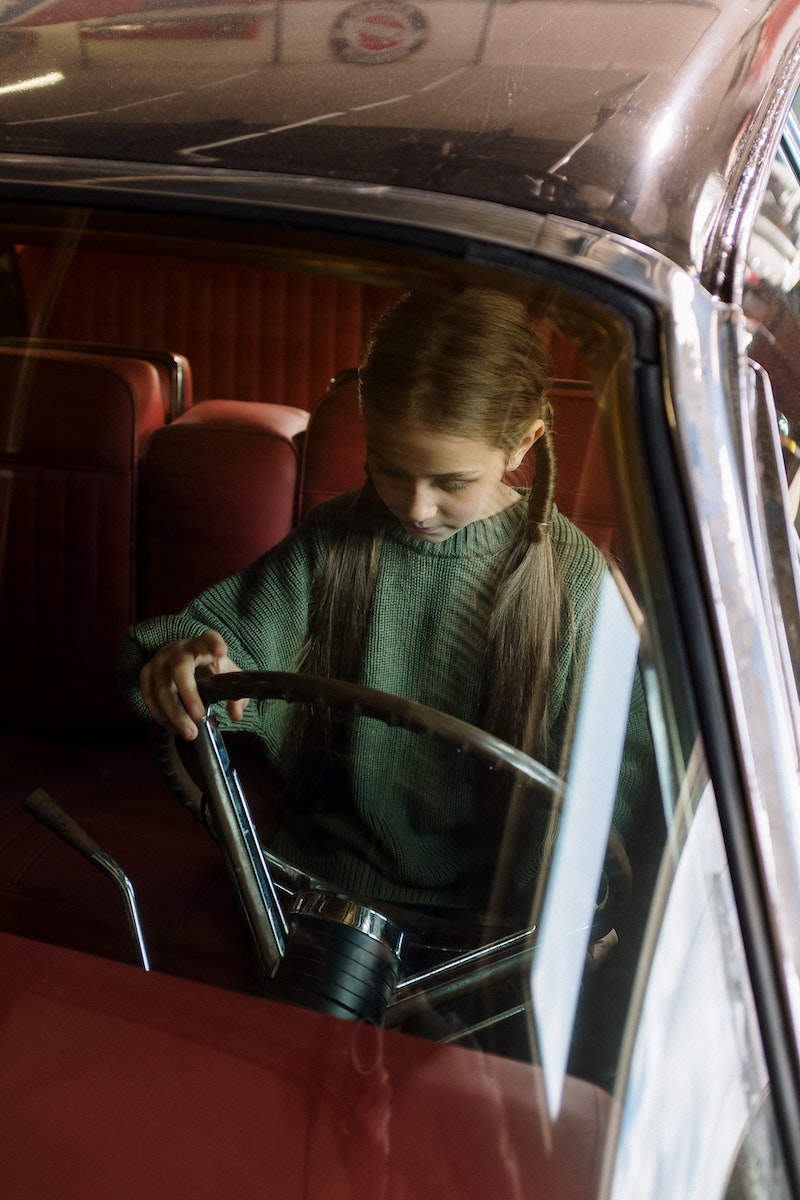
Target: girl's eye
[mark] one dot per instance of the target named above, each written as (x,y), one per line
(453,485)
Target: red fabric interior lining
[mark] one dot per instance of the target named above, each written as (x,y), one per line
(249,333)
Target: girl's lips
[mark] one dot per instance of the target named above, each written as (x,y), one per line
(426,531)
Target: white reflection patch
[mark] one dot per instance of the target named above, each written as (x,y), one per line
(30,85)
(577,865)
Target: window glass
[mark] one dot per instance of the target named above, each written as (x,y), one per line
(770,287)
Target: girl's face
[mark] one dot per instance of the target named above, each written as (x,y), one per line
(435,484)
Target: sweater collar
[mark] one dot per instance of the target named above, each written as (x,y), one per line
(480,538)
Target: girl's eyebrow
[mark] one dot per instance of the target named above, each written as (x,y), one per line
(386,462)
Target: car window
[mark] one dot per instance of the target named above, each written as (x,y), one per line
(182,420)
(770,280)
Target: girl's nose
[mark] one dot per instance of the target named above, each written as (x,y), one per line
(422,504)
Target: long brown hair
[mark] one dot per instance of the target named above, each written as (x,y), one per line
(469,365)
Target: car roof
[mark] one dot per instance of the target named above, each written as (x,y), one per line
(636,117)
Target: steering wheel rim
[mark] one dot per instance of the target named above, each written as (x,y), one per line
(395,711)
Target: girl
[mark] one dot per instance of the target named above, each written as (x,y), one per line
(437,581)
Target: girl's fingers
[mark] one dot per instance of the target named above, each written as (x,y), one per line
(168,682)
(236,707)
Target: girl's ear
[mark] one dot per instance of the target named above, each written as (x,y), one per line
(523,446)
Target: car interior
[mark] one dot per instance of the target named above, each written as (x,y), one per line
(175,398)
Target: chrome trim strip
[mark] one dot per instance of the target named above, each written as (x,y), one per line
(234,828)
(229,192)
(705,397)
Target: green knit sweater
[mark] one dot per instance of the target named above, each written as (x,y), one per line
(414,822)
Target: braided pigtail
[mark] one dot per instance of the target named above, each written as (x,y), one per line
(527,619)
(543,488)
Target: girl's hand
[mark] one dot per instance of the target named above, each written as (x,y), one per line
(168,682)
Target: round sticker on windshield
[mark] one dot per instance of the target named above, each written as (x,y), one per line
(378,33)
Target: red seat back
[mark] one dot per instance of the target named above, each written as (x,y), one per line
(72,431)
(583,491)
(218,489)
(334,452)
(174,371)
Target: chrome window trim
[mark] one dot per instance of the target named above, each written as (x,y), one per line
(768,970)
(704,399)
(791,141)
(774,536)
(243,194)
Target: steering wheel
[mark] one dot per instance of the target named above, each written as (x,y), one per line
(397,712)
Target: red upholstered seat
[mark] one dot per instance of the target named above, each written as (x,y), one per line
(218,489)
(72,430)
(174,371)
(584,490)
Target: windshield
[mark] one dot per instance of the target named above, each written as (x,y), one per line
(370,548)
